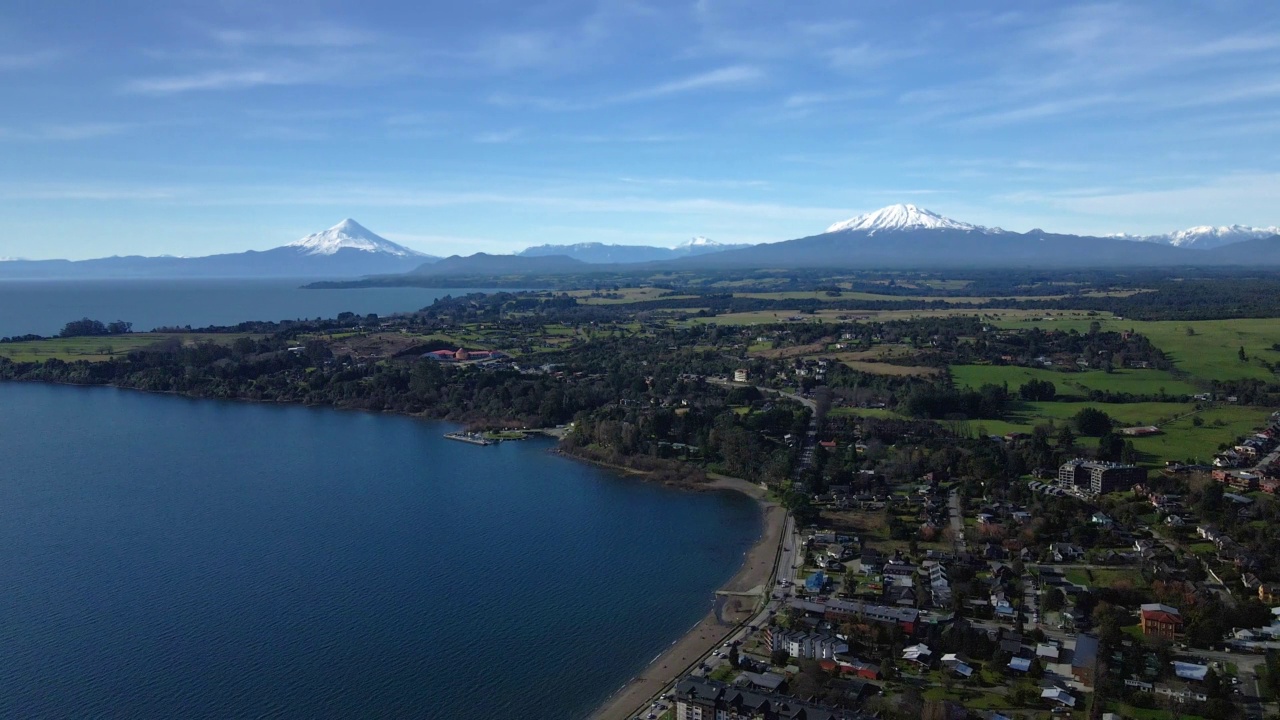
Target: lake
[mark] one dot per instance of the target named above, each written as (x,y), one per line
(42,307)
(168,557)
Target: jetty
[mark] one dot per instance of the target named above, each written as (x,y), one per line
(469,437)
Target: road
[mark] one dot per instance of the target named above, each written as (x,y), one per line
(957,520)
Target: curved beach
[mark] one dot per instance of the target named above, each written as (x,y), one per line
(729,611)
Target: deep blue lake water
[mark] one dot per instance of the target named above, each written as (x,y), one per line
(42,307)
(166,557)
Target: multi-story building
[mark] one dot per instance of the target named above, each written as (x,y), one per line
(1099,478)
(810,646)
(1161,621)
(703,699)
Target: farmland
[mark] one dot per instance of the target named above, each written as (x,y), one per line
(98,348)
(1136,382)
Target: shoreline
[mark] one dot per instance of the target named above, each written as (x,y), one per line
(728,612)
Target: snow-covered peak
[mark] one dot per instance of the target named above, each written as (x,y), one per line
(902,217)
(1205,237)
(700,241)
(349,234)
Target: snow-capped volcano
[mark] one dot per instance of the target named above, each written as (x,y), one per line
(904,217)
(700,242)
(350,234)
(1206,237)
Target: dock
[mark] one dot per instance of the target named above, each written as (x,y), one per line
(473,438)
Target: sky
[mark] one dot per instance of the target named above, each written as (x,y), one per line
(191,128)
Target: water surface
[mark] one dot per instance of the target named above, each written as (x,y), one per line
(42,307)
(166,557)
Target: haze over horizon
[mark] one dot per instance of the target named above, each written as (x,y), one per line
(190,130)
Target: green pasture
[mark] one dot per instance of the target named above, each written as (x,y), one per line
(1210,351)
(1137,382)
(1182,440)
(96,349)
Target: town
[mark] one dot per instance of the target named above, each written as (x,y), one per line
(992,510)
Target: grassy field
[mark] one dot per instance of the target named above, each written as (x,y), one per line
(877,368)
(865,412)
(1004,318)
(1182,440)
(1111,577)
(1210,353)
(97,348)
(1138,382)
(625,295)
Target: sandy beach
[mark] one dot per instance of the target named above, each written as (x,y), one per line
(728,612)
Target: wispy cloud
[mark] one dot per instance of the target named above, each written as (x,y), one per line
(726,77)
(28,60)
(221,80)
(498,137)
(57,132)
(313,36)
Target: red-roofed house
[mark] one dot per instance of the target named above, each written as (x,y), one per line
(1161,621)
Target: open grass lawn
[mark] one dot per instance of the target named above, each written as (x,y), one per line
(1130,711)
(1138,382)
(96,349)
(625,295)
(1211,353)
(1009,318)
(1107,578)
(1029,414)
(879,368)
(1182,440)
(866,412)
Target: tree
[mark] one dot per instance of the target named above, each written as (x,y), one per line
(1243,357)
(1066,439)
(82,328)
(779,657)
(733,656)
(1092,422)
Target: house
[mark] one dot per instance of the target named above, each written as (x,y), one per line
(1020,664)
(763,681)
(1058,696)
(956,665)
(1101,520)
(1269,593)
(697,697)
(917,654)
(1161,621)
(1065,552)
(1084,660)
(1047,651)
(1190,671)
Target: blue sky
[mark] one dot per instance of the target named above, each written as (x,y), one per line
(198,127)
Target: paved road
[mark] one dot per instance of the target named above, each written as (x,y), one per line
(957,520)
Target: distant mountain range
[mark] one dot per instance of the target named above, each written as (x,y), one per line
(345,250)
(594,252)
(898,236)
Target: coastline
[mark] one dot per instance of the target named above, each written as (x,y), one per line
(728,613)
